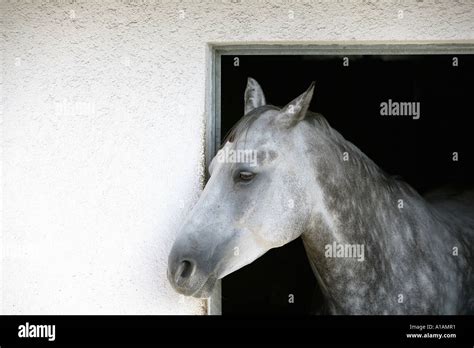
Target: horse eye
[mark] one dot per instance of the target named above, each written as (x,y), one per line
(246,176)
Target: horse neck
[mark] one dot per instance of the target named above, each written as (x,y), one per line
(365,208)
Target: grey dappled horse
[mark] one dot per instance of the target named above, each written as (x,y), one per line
(309,182)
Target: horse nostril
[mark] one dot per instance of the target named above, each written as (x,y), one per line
(185,269)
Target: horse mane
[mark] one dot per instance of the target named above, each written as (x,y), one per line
(360,159)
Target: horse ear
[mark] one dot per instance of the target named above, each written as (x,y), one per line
(295,111)
(253,96)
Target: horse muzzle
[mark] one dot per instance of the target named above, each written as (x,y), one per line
(188,279)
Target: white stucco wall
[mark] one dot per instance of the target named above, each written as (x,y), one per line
(102,106)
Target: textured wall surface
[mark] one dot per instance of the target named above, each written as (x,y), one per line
(102,106)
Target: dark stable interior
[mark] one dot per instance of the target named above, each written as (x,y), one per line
(420,151)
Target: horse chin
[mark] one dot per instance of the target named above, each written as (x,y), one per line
(206,290)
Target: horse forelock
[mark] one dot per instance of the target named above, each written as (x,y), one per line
(245,123)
